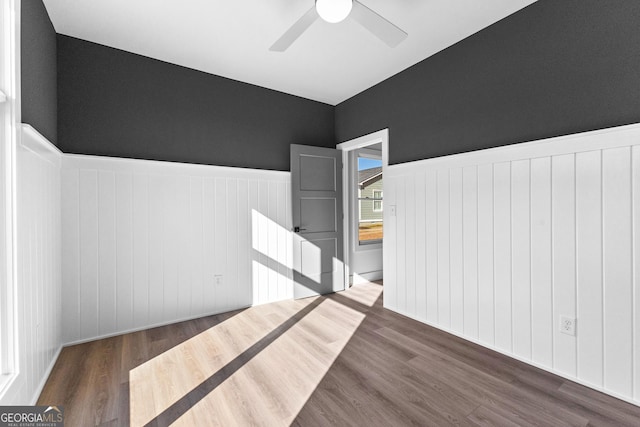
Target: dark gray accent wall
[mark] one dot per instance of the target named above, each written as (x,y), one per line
(38,69)
(553,68)
(115,103)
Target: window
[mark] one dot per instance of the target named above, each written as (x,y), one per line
(9,117)
(369,201)
(377,200)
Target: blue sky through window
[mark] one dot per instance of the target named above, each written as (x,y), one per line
(364,163)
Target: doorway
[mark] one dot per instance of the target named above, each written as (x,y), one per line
(365,160)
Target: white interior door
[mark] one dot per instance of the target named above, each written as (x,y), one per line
(316,190)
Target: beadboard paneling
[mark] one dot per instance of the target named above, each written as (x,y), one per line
(617,270)
(519,236)
(470,248)
(431,230)
(589,265)
(143,242)
(502,252)
(38,265)
(521,258)
(636,269)
(542,324)
(486,285)
(564,262)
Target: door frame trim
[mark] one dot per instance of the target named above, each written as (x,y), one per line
(382,137)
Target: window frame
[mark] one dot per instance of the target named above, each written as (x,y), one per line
(9,134)
(377,199)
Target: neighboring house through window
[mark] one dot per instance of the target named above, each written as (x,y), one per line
(369,200)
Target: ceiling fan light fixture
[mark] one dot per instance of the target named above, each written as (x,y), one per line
(334,11)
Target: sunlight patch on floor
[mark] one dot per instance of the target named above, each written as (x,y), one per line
(268,388)
(360,294)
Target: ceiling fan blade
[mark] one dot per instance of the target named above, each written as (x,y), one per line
(295,31)
(379,27)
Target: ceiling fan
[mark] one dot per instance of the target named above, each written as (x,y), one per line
(334,11)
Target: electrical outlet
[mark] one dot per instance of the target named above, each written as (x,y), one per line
(392,210)
(568,325)
(217,279)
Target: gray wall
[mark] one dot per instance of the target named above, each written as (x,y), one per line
(553,68)
(115,103)
(38,73)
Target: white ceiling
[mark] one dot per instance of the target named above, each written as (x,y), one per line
(328,63)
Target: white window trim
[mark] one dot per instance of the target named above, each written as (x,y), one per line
(359,207)
(9,130)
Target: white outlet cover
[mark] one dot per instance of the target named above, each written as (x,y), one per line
(568,325)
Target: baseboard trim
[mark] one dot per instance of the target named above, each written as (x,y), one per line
(45,377)
(520,359)
(369,276)
(154,325)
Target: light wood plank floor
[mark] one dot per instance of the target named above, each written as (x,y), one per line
(335,360)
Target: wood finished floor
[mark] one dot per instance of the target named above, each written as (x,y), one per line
(335,360)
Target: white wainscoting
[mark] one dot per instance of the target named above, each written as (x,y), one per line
(143,242)
(38,265)
(496,245)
